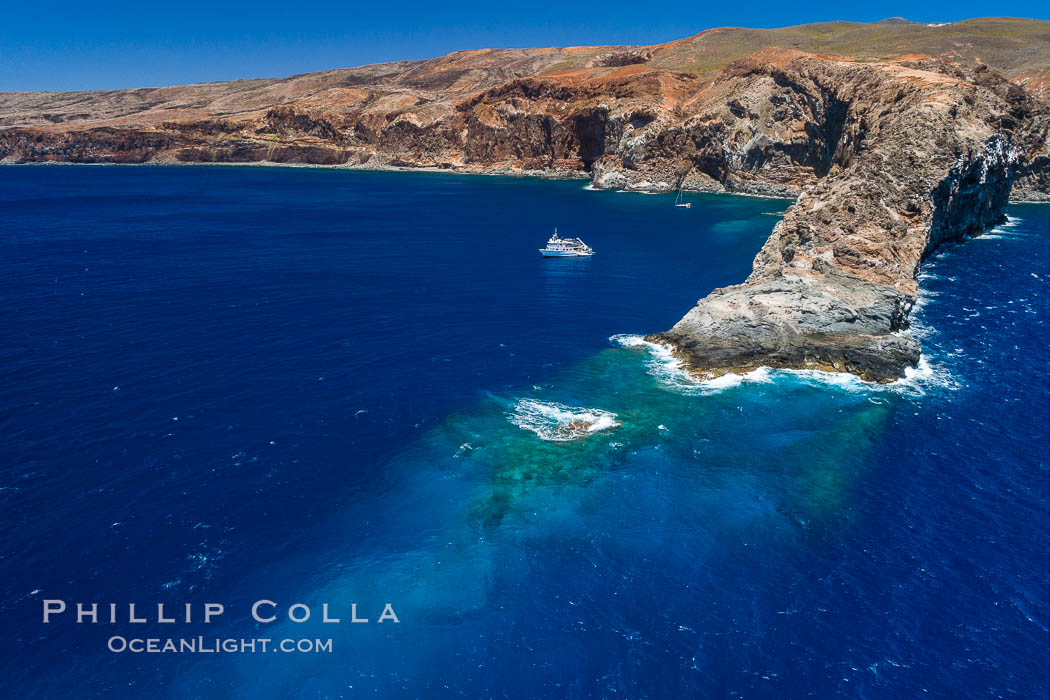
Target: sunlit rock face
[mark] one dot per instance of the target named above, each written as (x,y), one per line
(887,158)
(922,158)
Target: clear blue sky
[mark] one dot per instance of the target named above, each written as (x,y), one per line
(81,45)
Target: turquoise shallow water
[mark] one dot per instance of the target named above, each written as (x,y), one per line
(386,404)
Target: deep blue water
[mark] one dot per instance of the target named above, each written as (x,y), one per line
(227,384)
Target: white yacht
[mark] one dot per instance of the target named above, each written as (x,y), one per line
(565,247)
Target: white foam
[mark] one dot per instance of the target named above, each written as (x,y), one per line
(626,340)
(664,366)
(558,422)
(1004,230)
(725,381)
(917,380)
(760,375)
(660,361)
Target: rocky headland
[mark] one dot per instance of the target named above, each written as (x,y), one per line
(893,138)
(924,152)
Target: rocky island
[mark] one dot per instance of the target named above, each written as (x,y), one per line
(893,138)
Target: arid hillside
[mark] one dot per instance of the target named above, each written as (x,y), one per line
(438,112)
(893,136)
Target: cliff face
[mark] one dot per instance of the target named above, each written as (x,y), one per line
(888,158)
(927,153)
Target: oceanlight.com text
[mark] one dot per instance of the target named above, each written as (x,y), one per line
(215,645)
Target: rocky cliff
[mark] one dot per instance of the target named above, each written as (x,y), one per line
(924,152)
(889,150)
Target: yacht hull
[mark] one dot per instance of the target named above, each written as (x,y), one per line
(563,254)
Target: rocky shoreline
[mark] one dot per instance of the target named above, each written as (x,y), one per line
(770,192)
(885,159)
(834,284)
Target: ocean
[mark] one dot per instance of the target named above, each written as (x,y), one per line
(310,386)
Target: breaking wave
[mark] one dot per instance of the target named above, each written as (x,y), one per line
(917,380)
(558,422)
(1007,229)
(662,364)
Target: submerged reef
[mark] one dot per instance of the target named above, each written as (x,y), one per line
(643,407)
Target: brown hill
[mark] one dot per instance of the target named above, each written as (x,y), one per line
(894,137)
(1017,48)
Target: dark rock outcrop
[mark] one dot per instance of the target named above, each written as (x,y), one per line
(833,285)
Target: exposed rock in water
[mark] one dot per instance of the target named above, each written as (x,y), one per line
(833,285)
(888,158)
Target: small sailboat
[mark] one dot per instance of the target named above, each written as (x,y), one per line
(679,203)
(565,247)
